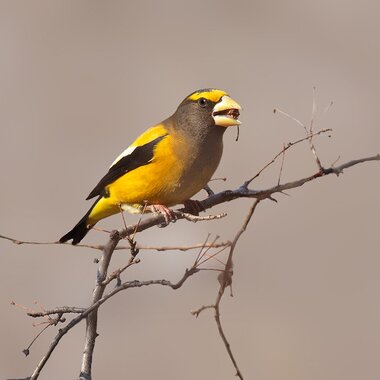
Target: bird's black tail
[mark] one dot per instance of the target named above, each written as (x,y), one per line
(80,230)
(77,233)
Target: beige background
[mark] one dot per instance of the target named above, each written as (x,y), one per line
(80,79)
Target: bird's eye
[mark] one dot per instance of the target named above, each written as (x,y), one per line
(202,102)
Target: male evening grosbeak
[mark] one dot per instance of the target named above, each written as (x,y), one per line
(167,164)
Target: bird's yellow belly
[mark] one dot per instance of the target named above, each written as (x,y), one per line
(167,180)
(152,183)
(162,181)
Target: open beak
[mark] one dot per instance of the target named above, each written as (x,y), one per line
(226,112)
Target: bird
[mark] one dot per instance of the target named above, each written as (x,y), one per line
(167,164)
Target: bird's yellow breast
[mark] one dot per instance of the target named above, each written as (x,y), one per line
(163,180)
(155,182)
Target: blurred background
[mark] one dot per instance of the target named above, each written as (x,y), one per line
(80,80)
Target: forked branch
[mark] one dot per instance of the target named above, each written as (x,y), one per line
(103,279)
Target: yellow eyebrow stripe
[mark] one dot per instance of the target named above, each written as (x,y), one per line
(212,94)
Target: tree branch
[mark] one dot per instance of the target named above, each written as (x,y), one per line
(244,192)
(91,312)
(92,318)
(225,278)
(58,310)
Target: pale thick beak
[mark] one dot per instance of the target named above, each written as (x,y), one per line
(226,112)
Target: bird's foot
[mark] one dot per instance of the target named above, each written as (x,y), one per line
(168,214)
(193,207)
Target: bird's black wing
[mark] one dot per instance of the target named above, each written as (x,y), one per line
(141,155)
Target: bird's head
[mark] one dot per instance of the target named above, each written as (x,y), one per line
(207,108)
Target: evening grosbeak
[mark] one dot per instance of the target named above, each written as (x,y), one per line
(167,164)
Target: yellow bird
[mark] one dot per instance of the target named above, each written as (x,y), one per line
(167,164)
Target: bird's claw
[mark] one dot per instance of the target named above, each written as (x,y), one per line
(168,214)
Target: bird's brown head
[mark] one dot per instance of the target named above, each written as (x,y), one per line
(207,109)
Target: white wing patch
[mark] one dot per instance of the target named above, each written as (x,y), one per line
(125,153)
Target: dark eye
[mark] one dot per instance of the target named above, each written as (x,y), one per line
(202,102)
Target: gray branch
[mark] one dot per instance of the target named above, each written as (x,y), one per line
(90,313)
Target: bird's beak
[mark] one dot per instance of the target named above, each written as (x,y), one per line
(226,112)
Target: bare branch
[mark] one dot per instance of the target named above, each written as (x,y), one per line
(20,242)
(92,319)
(92,310)
(243,192)
(225,277)
(199,310)
(224,196)
(225,280)
(100,247)
(283,150)
(230,195)
(282,165)
(57,310)
(196,218)
(278,110)
(116,274)
(185,248)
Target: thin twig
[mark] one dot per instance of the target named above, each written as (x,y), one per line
(116,274)
(202,260)
(57,310)
(308,131)
(184,248)
(199,310)
(287,146)
(197,218)
(278,110)
(225,280)
(282,165)
(100,247)
(20,242)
